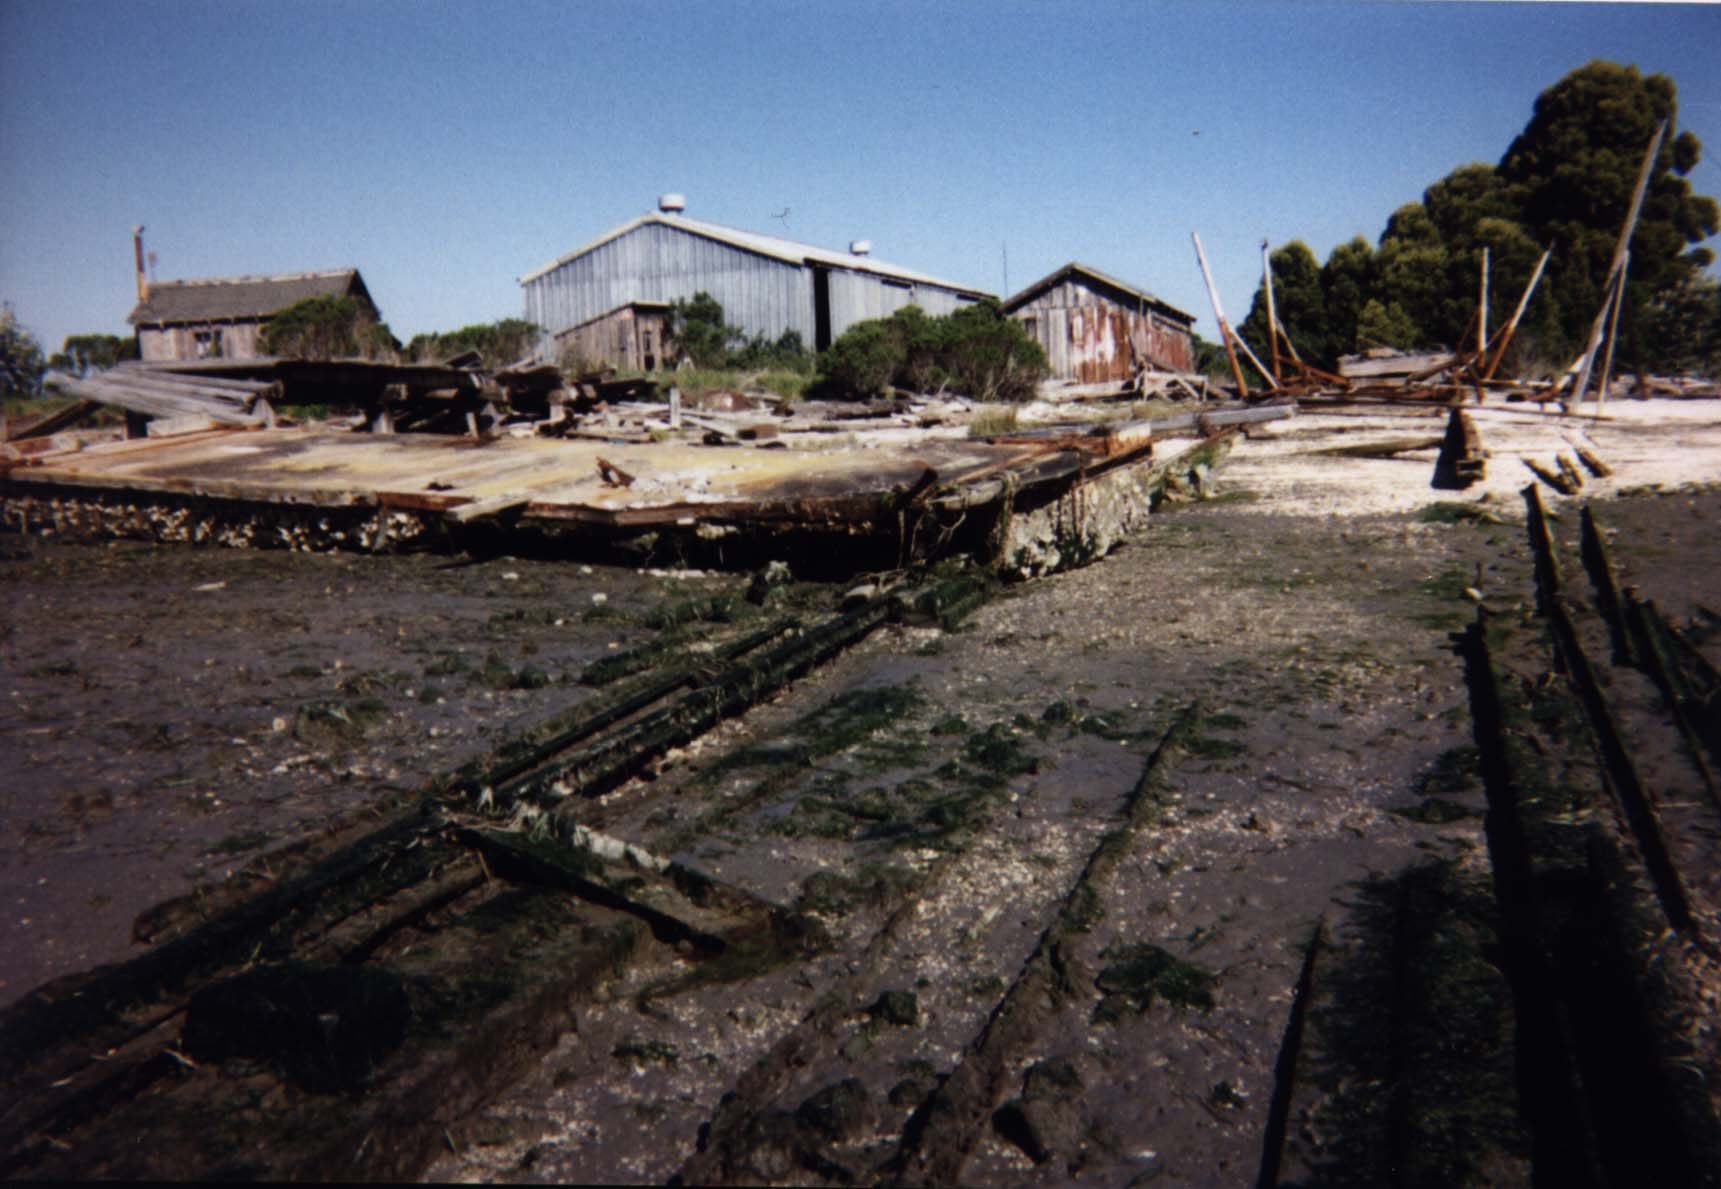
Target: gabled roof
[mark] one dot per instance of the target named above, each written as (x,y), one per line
(1094,278)
(786,250)
(222,298)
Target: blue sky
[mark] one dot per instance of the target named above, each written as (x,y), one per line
(447,148)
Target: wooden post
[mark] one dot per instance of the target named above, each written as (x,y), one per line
(1271,382)
(1612,333)
(1225,335)
(1512,324)
(1616,268)
(1482,308)
(1272,312)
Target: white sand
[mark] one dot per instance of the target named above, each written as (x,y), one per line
(1664,443)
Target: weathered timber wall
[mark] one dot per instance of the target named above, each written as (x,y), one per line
(160,343)
(1091,338)
(630,338)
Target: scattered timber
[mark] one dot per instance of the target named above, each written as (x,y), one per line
(152,395)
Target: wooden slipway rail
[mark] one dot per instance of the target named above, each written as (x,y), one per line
(1593,1062)
(431,960)
(1025,500)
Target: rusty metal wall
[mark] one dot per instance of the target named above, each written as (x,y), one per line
(1090,339)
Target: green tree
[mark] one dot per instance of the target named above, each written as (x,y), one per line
(1683,324)
(1347,278)
(1411,270)
(21,363)
(1572,171)
(697,326)
(82,352)
(1385,324)
(327,327)
(1298,303)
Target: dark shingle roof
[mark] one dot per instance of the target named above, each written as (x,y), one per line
(219,298)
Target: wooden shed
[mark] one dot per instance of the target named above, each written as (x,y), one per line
(631,336)
(221,317)
(1095,328)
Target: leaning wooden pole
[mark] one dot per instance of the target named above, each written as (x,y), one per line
(1272,312)
(1612,333)
(1617,267)
(1225,335)
(1517,314)
(1259,366)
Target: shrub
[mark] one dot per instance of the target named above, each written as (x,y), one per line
(861,363)
(787,354)
(499,343)
(327,327)
(976,351)
(697,327)
(990,357)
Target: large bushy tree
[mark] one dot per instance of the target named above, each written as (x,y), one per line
(1298,304)
(1572,170)
(1566,180)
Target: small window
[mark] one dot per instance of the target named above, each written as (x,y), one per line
(206,344)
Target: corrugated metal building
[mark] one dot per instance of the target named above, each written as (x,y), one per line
(766,285)
(1095,328)
(221,317)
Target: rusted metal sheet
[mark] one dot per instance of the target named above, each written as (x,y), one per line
(1092,333)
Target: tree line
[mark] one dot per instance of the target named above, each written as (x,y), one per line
(1566,182)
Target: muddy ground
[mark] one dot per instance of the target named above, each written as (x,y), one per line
(1068,856)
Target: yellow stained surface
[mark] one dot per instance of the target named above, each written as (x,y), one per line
(322,466)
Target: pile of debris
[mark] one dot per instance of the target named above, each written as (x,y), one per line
(176,403)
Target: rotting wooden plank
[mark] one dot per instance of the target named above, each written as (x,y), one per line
(536,744)
(54,422)
(941,1135)
(1633,796)
(41,1020)
(1591,460)
(601,765)
(151,400)
(494,507)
